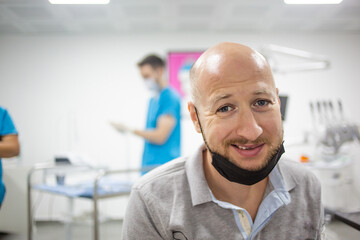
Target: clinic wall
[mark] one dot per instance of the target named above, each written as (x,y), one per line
(63,90)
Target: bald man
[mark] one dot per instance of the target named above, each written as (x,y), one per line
(235,186)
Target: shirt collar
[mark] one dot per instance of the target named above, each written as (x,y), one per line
(196,178)
(286,172)
(279,186)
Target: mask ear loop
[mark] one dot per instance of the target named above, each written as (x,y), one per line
(202,133)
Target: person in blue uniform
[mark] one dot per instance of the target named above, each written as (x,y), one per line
(9,144)
(162,133)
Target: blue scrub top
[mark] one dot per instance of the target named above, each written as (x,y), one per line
(167,103)
(7,127)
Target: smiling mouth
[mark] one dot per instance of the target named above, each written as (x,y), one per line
(247,147)
(248,151)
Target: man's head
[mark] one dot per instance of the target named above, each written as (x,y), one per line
(152,68)
(237,103)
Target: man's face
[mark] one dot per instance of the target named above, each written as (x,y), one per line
(148,72)
(239,112)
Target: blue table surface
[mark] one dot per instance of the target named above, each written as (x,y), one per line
(86,189)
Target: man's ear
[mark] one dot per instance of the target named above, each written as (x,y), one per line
(193,116)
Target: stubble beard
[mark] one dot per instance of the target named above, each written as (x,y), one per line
(273,149)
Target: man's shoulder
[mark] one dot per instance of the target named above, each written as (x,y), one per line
(162,176)
(298,173)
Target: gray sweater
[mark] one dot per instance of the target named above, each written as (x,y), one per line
(174,202)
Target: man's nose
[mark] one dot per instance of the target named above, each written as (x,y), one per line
(247,126)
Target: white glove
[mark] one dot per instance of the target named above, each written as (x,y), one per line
(121,127)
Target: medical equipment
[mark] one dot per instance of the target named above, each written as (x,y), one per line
(333,161)
(329,148)
(331,129)
(102,185)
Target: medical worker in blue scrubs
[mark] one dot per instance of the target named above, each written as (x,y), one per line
(9,144)
(162,133)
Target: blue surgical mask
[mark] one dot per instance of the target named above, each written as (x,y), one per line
(152,86)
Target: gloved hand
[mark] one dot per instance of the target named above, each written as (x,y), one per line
(121,127)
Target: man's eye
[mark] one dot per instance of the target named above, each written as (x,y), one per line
(262,103)
(225,109)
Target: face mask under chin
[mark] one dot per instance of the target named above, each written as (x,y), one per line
(233,173)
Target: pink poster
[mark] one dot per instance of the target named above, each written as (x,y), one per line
(179,65)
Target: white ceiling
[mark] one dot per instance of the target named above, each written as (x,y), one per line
(167,16)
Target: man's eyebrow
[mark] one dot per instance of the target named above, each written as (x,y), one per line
(264,91)
(216,99)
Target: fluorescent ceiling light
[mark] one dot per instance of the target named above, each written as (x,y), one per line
(79,1)
(313,1)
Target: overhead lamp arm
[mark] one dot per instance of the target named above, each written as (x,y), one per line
(315,61)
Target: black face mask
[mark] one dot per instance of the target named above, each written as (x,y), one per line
(236,174)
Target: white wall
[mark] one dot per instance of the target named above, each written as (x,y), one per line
(62,90)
